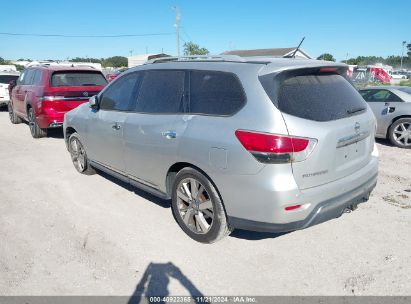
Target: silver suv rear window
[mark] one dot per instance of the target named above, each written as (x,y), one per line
(319,97)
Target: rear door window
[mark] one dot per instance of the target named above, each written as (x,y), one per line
(37,77)
(28,78)
(215,93)
(77,79)
(380,96)
(319,97)
(161,92)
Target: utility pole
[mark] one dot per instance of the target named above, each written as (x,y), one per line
(177,25)
(402,53)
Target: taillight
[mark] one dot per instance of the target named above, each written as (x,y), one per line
(111,77)
(292,207)
(328,70)
(273,148)
(52,98)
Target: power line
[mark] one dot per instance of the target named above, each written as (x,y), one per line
(185,33)
(85,36)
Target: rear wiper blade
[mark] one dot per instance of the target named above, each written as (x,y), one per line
(355,110)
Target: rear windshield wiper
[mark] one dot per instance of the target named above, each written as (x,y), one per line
(355,110)
(88,84)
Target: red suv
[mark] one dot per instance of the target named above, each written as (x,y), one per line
(43,94)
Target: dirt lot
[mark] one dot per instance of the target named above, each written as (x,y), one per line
(62,233)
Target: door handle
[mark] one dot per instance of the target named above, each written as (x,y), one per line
(169,134)
(116,126)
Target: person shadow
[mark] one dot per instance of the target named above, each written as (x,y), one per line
(155,281)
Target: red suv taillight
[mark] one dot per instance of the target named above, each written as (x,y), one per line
(52,98)
(273,148)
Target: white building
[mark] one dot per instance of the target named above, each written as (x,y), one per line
(141,59)
(8,68)
(277,52)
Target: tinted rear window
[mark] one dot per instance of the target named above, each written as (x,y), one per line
(7,78)
(319,97)
(77,79)
(215,93)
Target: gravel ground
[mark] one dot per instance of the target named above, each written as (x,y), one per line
(62,233)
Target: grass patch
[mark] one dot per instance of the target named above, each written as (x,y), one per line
(405,83)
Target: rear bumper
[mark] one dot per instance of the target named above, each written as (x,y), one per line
(50,121)
(324,211)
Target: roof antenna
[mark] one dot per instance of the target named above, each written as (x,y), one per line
(296,50)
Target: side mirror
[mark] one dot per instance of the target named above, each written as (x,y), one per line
(12,84)
(93,102)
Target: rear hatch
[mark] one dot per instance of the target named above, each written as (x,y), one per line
(68,89)
(320,104)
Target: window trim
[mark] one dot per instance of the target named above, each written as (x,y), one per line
(187,92)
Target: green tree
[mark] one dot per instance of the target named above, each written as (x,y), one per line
(115,61)
(409,50)
(353,61)
(19,67)
(81,59)
(326,57)
(2,61)
(190,48)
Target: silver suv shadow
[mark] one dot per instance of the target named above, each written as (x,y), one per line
(260,144)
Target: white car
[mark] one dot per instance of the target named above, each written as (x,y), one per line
(5,78)
(399,75)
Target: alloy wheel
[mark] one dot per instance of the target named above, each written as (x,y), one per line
(402,134)
(195,205)
(78,154)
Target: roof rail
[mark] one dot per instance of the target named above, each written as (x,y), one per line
(226,58)
(54,65)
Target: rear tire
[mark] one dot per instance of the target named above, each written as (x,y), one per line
(12,115)
(35,130)
(79,155)
(198,208)
(400,133)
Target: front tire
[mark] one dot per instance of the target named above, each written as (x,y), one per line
(12,115)
(79,156)
(400,133)
(35,130)
(198,208)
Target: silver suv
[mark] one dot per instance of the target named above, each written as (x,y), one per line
(250,143)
